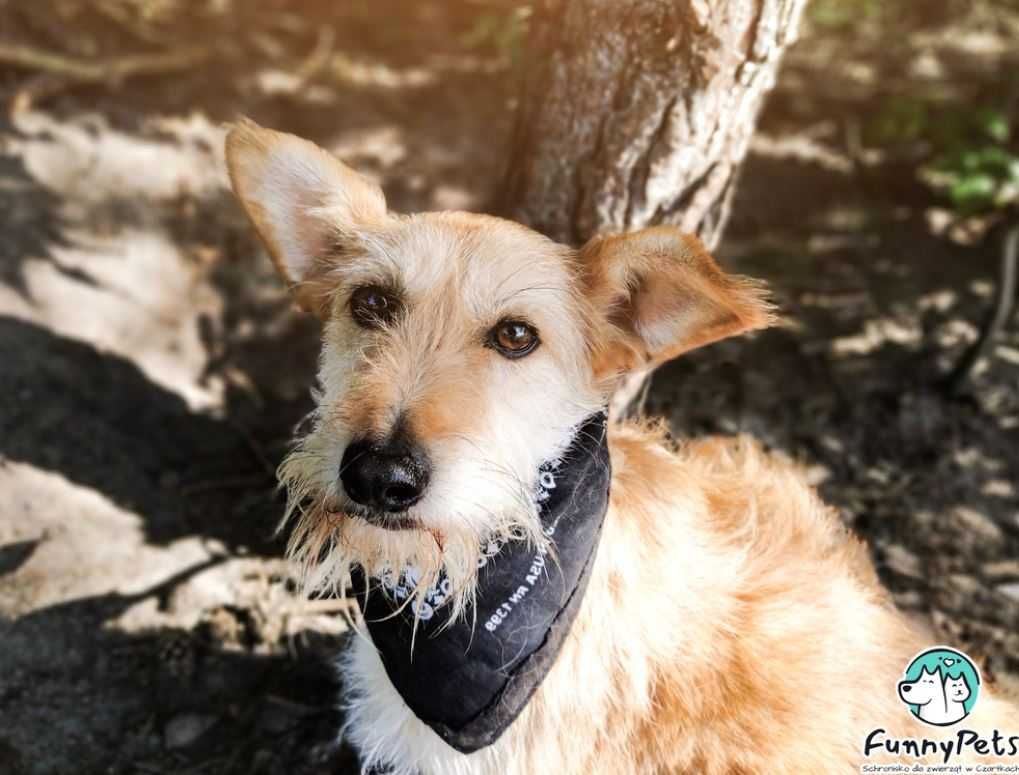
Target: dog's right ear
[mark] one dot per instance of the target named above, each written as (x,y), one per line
(305,204)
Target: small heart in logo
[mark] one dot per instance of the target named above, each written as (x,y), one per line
(950,661)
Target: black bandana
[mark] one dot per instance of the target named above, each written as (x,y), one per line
(469,679)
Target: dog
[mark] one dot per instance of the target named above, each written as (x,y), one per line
(928,693)
(724,606)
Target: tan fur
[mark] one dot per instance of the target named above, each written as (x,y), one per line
(661,278)
(728,608)
(731,624)
(327,190)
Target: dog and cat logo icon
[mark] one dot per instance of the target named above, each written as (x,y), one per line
(940,686)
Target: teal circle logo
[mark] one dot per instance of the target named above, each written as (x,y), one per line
(940,686)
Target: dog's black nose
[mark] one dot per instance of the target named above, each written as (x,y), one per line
(905,687)
(388,477)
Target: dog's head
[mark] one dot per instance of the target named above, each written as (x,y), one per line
(926,688)
(460,352)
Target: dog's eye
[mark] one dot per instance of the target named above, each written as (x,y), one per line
(373,306)
(513,338)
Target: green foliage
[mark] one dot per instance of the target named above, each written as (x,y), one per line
(969,156)
(974,164)
(967,152)
(978,179)
(835,15)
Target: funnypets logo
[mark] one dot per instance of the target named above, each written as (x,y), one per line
(941,687)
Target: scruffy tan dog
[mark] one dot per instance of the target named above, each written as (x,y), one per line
(730,624)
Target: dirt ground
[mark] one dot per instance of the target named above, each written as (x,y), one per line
(152,369)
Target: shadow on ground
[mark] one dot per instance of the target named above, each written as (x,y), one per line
(166,700)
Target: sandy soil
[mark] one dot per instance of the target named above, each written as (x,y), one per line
(153,369)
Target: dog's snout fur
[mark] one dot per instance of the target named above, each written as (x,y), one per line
(387,477)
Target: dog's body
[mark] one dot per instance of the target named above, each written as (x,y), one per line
(730,624)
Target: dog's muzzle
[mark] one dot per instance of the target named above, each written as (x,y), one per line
(468,678)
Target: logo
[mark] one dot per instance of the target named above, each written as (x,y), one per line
(940,686)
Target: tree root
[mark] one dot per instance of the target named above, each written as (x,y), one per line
(109,71)
(56,72)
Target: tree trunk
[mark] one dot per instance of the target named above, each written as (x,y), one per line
(639,112)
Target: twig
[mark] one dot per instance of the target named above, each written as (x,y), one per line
(154,769)
(35,88)
(101,71)
(291,705)
(122,16)
(1000,313)
(322,606)
(318,58)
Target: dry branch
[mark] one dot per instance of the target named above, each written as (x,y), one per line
(101,71)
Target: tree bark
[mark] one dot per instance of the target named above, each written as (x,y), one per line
(639,112)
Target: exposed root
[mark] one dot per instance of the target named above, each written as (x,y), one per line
(109,70)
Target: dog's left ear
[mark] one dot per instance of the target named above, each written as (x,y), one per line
(659,294)
(305,204)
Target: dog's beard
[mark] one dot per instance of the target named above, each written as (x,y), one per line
(326,542)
